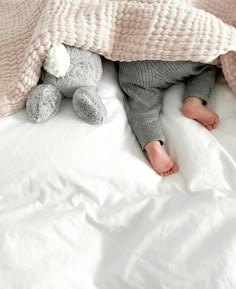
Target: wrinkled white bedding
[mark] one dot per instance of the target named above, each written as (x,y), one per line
(80,207)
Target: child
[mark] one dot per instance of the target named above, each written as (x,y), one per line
(145,82)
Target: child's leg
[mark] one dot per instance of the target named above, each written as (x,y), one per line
(143,104)
(198,90)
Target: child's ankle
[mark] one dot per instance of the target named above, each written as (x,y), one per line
(150,145)
(193,99)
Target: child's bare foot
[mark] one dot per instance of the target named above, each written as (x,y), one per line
(159,159)
(194,109)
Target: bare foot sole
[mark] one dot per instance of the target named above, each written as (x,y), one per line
(159,159)
(194,109)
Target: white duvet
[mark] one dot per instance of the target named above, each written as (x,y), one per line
(81,208)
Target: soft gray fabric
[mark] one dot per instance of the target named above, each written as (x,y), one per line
(85,71)
(145,82)
(43,103)
(88,105)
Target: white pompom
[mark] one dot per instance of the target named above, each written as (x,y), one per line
(57,61)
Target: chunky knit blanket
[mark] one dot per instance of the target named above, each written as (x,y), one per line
(197,30)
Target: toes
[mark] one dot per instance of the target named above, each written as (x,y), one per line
(159,159)
(216,122)
(172,170)
(213,124)
(203,115)
(175,168)
(209,127)
(164,174)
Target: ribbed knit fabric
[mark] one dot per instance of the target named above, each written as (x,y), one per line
(144,83)
(117,29)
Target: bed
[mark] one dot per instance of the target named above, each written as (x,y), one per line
(81,208)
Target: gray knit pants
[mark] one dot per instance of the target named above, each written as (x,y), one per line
(144,83)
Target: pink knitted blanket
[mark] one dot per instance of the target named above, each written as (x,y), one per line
(116,29)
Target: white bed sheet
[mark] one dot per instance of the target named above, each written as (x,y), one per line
(81,208)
